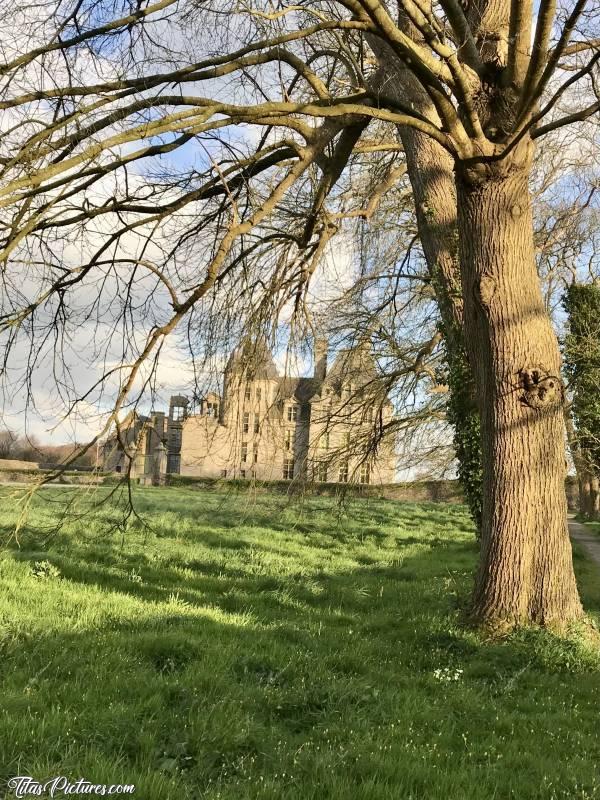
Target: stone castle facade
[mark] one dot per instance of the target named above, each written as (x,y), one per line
(267,427)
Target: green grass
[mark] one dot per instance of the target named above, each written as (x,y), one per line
(593,526)
(255,647)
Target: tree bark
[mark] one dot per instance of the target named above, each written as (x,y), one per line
(580,463)
(584,495)
(431,174)
(526,571)
(594,513)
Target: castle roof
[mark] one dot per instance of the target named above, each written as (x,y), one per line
(354,365)
(254,360)
(301,389)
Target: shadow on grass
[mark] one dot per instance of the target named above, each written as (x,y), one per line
(290,654)
(218,584)
(207,673)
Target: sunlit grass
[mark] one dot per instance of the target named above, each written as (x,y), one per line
(254,647)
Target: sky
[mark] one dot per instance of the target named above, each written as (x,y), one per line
(174,373)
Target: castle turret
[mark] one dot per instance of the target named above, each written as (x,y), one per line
(177,414)
(320,359)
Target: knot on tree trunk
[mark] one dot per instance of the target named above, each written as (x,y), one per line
(541,390)
(485,290)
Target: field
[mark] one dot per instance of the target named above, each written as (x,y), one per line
(251,646)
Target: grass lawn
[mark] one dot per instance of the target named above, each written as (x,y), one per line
(593,526)
(254,647)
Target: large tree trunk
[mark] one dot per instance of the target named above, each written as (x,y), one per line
(431,173)
(583,480)
(594,498)
(581,465)
(526,572)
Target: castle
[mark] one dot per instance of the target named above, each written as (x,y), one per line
(267,427)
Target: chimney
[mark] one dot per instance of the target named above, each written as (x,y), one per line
(320,359)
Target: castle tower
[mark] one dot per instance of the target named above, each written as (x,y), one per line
(320,359)
(178,409)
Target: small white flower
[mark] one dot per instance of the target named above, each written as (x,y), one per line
(447,674)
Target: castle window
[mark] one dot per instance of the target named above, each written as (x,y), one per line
(212,409)
(246,422)
(223,473)
(322,471)
(177,413)
(292,413)
(256,424)
(242,473)
(288,469)
(324,441)
(343,473)
(244,452)
(365,473)
(346,439)
(247,393)
(174,464)
(258,394)
(255,453)
(290,440)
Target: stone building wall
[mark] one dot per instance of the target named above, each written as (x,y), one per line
(273,428)
(266,427)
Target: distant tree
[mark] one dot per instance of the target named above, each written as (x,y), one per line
(55,455)
(7,442)
(582,365)
(21,448)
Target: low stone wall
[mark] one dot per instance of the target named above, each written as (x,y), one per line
(10,464)
(417,491)
(408,492)
(69,478)
(447,491)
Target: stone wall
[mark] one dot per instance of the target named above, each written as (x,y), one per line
(31,476)
(8,464)
(408,492)
(418,491)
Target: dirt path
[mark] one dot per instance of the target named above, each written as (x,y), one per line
(588,540)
